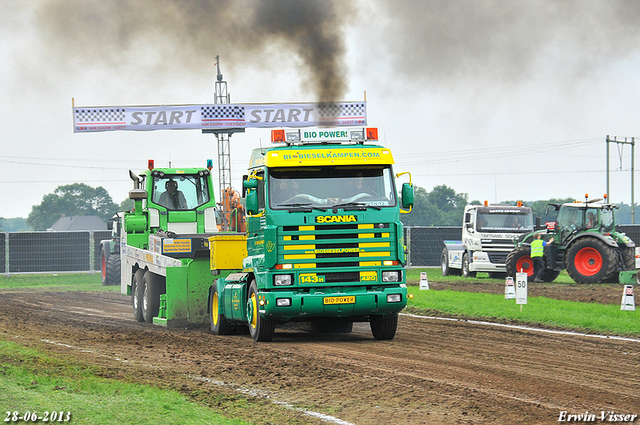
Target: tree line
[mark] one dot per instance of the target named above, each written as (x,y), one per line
(442,206)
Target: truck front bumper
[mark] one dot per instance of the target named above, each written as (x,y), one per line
(333,302)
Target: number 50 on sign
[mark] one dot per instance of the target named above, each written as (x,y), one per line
(521,288)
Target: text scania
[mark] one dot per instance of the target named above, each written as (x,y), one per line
(336,219)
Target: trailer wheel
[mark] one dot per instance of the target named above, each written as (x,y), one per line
(444,263)
(219,323)
(136,295)
(519,259)
(152,288)
(465,266)
(261,330)
(113,269)
(383,328)
(589,260)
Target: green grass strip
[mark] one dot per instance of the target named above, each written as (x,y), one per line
(585,317)
(32,381)
(56,282)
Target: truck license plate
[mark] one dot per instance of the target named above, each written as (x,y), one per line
(340,300)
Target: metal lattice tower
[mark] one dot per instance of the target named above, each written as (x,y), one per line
(221,96)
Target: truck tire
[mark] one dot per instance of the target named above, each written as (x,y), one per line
(152,288)
(383,328)
(219,323)
(444,263)
(113,269)
(261,329)
(136,295)
(519,259)
(465,266)
(103,267)
(589,260)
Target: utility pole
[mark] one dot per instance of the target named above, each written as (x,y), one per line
(221,96)
(627,141)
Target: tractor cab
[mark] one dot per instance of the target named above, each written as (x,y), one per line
(575,218)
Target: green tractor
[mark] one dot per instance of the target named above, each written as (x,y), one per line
(585,243)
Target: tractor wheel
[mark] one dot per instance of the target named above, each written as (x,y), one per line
(589,260)
(549,275)
(136,295)
(465,266)
(629,255)
(261,330)
(103,267)
(383,328)
(219,323)
(444,263)
(520,260)
(152,288)
(113,270)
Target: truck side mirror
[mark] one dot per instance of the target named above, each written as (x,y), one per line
(407,195)
(244,188)
(249,187)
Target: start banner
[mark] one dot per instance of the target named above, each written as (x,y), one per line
(218,116)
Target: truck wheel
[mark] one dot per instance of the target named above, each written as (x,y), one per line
(383,328)
(152,288)
(261,330)
(519,259)
(103,267)
(444,263)
(113,269)
(465,266)
(589,260)
(136,295)
(219,323)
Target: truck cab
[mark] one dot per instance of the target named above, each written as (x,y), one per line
(488,232)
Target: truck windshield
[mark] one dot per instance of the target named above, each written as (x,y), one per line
(180,191)
(325,187)
(504,222)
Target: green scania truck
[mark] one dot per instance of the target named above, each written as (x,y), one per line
(323,242)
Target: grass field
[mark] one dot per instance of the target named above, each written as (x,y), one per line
(585,317)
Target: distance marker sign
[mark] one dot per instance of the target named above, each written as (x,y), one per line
(521,288)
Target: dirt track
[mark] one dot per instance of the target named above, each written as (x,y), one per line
(433,372)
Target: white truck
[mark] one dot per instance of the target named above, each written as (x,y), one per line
(488,232)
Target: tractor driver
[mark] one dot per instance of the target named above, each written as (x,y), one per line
(172,198)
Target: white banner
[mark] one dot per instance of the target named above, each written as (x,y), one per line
(218,116)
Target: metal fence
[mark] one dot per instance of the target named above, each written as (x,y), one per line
(425,244)
(45,252)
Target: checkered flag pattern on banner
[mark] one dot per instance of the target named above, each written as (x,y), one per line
(629,290)
(100,115)
(222,112)
(340,110)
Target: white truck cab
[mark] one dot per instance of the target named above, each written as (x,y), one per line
(488,232)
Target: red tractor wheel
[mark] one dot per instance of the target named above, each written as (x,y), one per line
(590,260)
(519,259)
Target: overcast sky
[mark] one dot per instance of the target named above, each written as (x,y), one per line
(502,100)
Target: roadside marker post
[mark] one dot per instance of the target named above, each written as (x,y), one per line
(628,302)
(509,289)
(424,282)
(521,289)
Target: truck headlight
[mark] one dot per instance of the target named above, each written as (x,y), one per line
(394,298)
(283,302)
(282,280)
(392,276)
